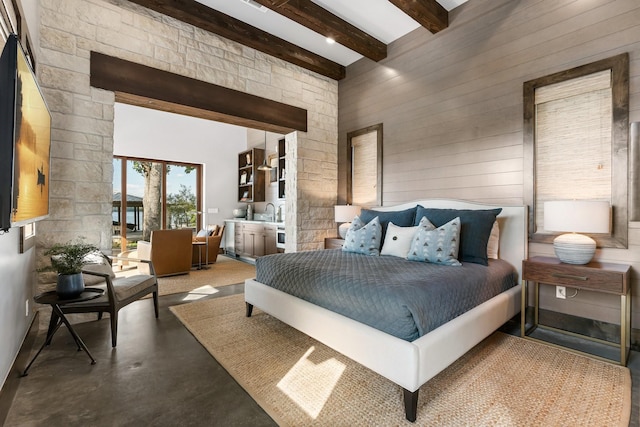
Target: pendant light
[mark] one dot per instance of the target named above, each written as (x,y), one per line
(265,166)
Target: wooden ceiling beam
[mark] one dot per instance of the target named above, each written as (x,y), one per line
(141,85)
(428,13)
(206,18)
(323,22)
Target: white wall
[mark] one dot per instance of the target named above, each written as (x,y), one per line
(152,134)
(18,271)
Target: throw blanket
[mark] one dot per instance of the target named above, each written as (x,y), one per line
(403,298)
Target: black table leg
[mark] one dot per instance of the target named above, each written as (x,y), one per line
(57,312)
(50,333)
(73,333)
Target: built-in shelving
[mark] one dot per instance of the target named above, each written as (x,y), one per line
(250,181)
(281,168)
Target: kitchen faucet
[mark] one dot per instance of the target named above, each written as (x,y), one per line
(266,210)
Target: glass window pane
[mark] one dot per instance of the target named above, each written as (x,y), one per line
(144,199)
(181,196)
(116,213)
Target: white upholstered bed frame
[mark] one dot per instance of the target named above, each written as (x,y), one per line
(408,364)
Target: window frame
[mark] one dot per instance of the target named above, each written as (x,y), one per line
(619,67)
(164,163)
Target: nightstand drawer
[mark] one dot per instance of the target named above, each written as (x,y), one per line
(576,276)
(333,243)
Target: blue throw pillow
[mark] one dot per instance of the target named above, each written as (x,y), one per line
(363,239)
(438,246)
(403,218)
(475,229)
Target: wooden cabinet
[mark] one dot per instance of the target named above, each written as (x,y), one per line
(251,182)
(239,239)
(270,232)
(255,240)
(281,168)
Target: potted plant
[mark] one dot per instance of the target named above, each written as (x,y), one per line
(67,259)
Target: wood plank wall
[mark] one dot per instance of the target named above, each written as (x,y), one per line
(451,105)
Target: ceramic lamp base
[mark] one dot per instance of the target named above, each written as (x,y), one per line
(574,248)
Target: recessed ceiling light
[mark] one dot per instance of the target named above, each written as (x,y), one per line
(330,40)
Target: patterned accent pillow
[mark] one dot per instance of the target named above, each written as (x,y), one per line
(438,246)
(363,239)
(474,232)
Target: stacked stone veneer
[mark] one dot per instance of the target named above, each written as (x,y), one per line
(82,135)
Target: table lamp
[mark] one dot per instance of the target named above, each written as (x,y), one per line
(574,217)
(345,214)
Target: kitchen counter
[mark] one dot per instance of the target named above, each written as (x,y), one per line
(246,221)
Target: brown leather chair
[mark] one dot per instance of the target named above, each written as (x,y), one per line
(199,258)
(170,251)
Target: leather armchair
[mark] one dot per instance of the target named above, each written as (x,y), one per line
(215,239)
(170,251)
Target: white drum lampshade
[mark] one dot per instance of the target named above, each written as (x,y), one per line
(574,217)
(345,214)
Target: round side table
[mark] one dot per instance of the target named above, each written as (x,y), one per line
(56,302)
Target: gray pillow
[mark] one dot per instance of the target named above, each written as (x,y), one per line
(403,218)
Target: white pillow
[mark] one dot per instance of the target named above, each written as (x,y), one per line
(494,242)
(397,241)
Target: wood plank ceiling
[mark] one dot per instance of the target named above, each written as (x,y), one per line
(429,13)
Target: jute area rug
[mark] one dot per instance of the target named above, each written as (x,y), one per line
(225,271)
(504,381)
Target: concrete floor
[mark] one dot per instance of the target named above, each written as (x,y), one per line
(157,375)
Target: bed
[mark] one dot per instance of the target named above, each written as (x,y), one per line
(410,364)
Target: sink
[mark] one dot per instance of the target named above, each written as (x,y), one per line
(262,217)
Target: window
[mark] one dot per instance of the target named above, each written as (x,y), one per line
(576,134)
(364,180)
(573,133)
(151,195)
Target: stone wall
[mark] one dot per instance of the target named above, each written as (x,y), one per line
(82,134)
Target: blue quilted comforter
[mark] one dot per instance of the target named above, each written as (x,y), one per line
(403,298)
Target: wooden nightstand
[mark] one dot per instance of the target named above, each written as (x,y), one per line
(595,277)
(333,243)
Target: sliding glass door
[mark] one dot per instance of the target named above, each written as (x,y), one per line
(151,195)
